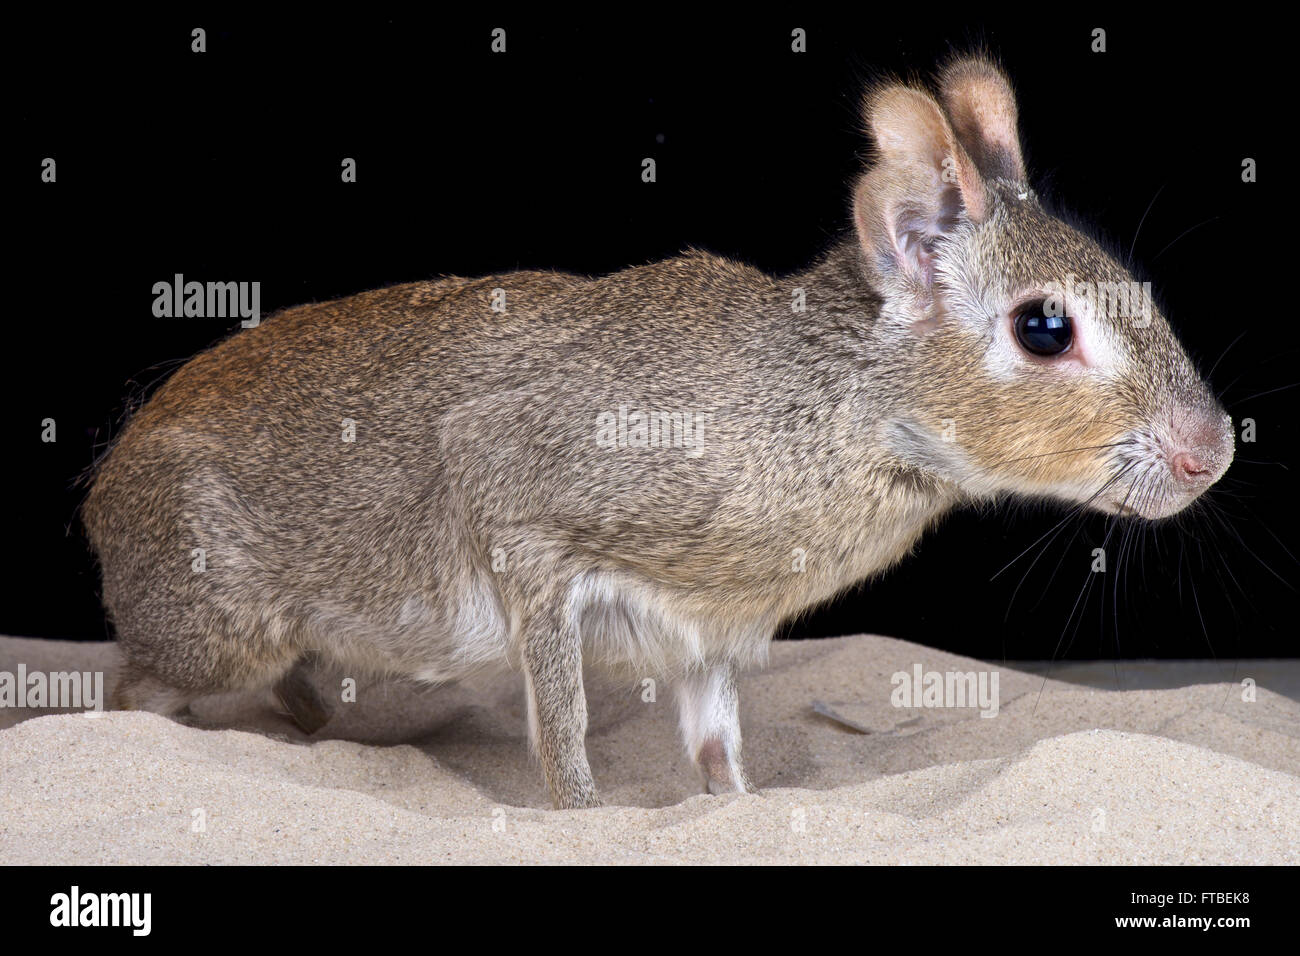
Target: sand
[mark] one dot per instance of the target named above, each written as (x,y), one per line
(1176,768)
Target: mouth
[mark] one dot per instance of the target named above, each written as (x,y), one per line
(1120,510)
(1148,498)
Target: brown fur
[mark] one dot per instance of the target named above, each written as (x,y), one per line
(822,459)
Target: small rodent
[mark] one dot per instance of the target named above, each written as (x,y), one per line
(648,470)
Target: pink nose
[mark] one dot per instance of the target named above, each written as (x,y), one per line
(1198,449)
(1187,467)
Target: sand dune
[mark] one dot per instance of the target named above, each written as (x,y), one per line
(1063,774)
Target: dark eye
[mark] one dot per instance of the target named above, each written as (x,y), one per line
(1042,334)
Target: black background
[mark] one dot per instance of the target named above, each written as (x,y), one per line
(225,166)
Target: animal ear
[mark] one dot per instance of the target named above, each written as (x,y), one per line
(982,109)
(921,187)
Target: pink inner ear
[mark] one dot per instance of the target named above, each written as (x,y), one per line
(972,190)
(916,223)
(925,261)
(910,228)
(916,254)
(920,187)
(984,114)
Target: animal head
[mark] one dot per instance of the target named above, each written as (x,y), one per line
(1033,362)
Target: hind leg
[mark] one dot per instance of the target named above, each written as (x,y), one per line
(137,691)
(710,718)
(165,676)
(298,695)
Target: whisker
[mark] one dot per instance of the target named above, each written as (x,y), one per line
(1271,391)
(1138,231)
(1086,588)
(1180,235)
(1240,336)
(1074,511)
(1024,577)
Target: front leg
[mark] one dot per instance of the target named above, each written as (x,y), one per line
(557,710)
(710,719)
